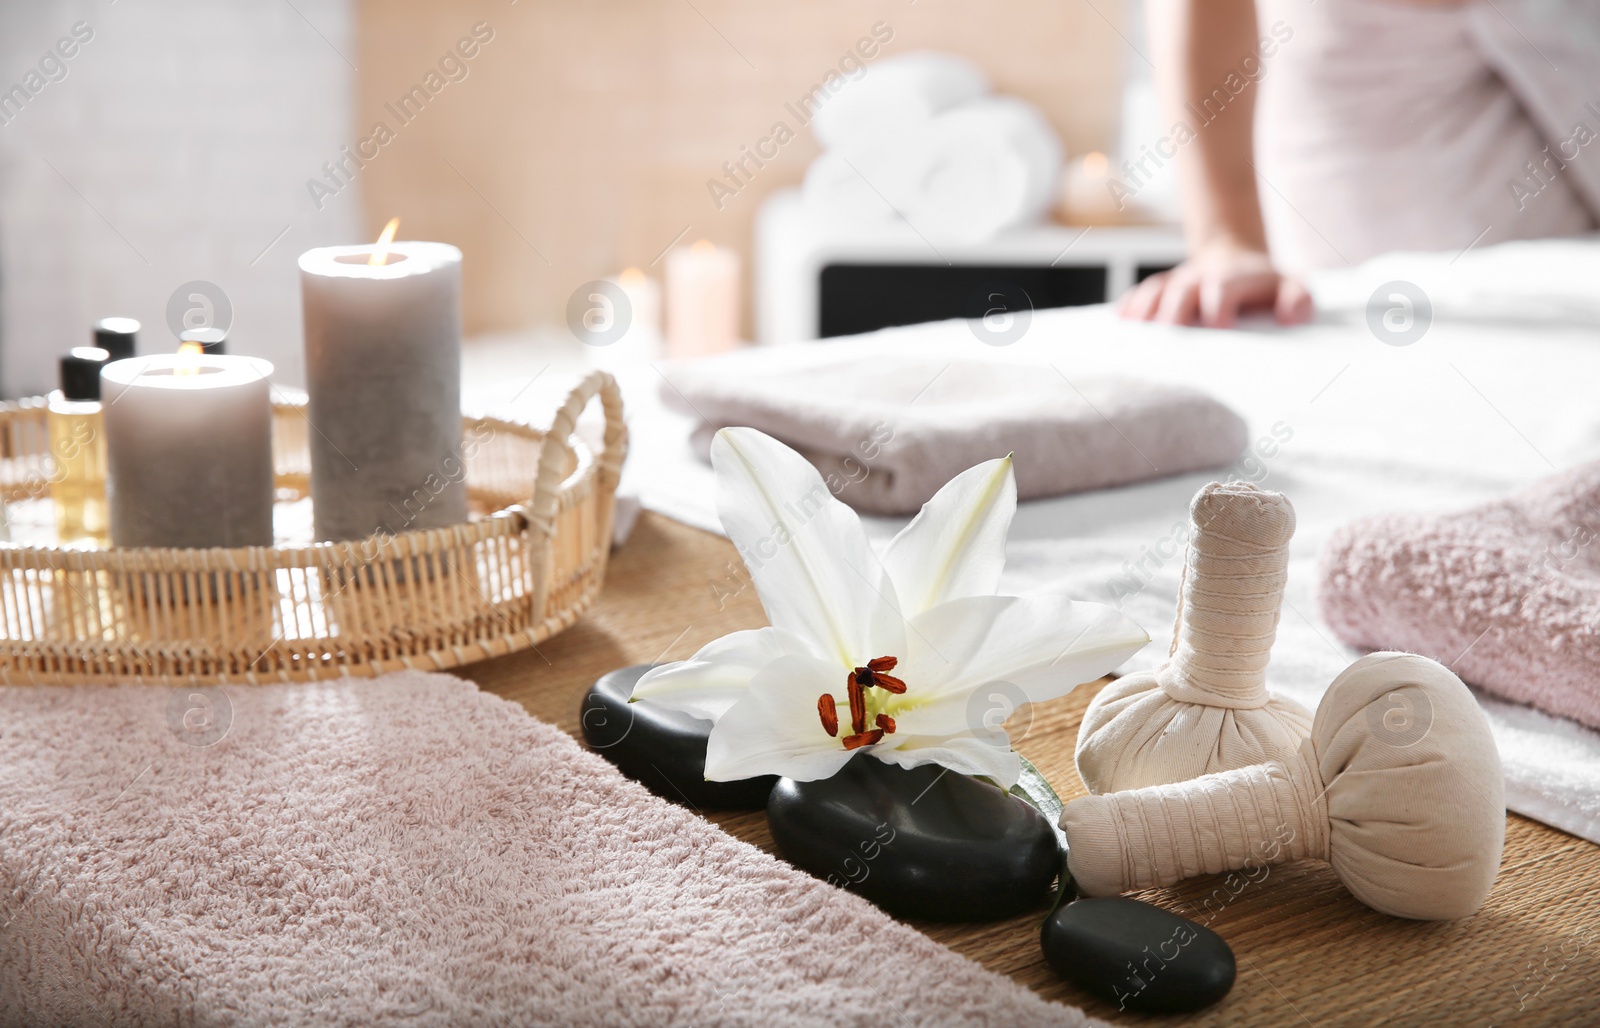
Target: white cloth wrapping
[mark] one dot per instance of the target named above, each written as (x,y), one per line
(1496,394)
(1207,709)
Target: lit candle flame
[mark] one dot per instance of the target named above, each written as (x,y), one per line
(188,362)
(380,253)
(1095,163)
(703,246)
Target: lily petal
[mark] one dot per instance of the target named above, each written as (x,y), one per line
(956,545)
(813,568)
(963,753)
(712,680)
(774,729)
(1041,647)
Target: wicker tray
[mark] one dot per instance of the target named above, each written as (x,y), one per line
(526,566)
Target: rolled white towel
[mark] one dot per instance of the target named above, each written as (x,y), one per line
(995,166)
(959,177)
(869,181)
(897,92)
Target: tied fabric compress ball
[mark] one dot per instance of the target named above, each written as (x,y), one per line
(1207,708)
(1399,788)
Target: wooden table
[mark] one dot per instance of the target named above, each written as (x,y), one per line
(1307,951)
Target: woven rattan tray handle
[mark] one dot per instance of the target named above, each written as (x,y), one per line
(553,451)
(541,513)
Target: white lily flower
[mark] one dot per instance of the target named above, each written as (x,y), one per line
(801,697)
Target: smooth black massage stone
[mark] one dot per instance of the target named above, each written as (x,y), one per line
(924,843)
(664,750)
(1138,956)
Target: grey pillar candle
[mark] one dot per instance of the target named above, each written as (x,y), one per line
(188,450)
(383,370)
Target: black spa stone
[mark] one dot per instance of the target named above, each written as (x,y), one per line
(924,843)
(662,749)
(1137,956)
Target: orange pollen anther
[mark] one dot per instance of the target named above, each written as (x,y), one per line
(855,742)
(857,682)
(829,714)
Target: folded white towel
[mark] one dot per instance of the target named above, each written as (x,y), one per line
(888,430)
(961,176)
(897,92)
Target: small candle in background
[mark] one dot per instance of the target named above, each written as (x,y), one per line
(702,300)
(383,372)
(640,341)
(1086,197)
(188,450)
(645,295)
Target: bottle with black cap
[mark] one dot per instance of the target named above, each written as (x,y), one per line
(78,448)
(117,336)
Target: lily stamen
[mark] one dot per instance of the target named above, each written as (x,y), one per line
(853,742)
(857,682)
(858,704)
(873,674)
(829,714)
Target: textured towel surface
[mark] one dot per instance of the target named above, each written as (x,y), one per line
(1507,593)
(888,430)
(409,850)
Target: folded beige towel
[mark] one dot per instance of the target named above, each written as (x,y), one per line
(409,851)
(887,430)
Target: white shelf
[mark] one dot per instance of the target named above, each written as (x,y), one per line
(792,248)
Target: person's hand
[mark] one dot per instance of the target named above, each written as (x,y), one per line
(1213,287)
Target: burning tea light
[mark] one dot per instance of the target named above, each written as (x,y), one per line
(383,370)
(1086,196)
(188,450)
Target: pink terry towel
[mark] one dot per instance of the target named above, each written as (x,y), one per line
(1506,594)
(412,851)
(887,430)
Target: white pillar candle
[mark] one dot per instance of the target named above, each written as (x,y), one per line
(702,300)
(383,370)
(188,450)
